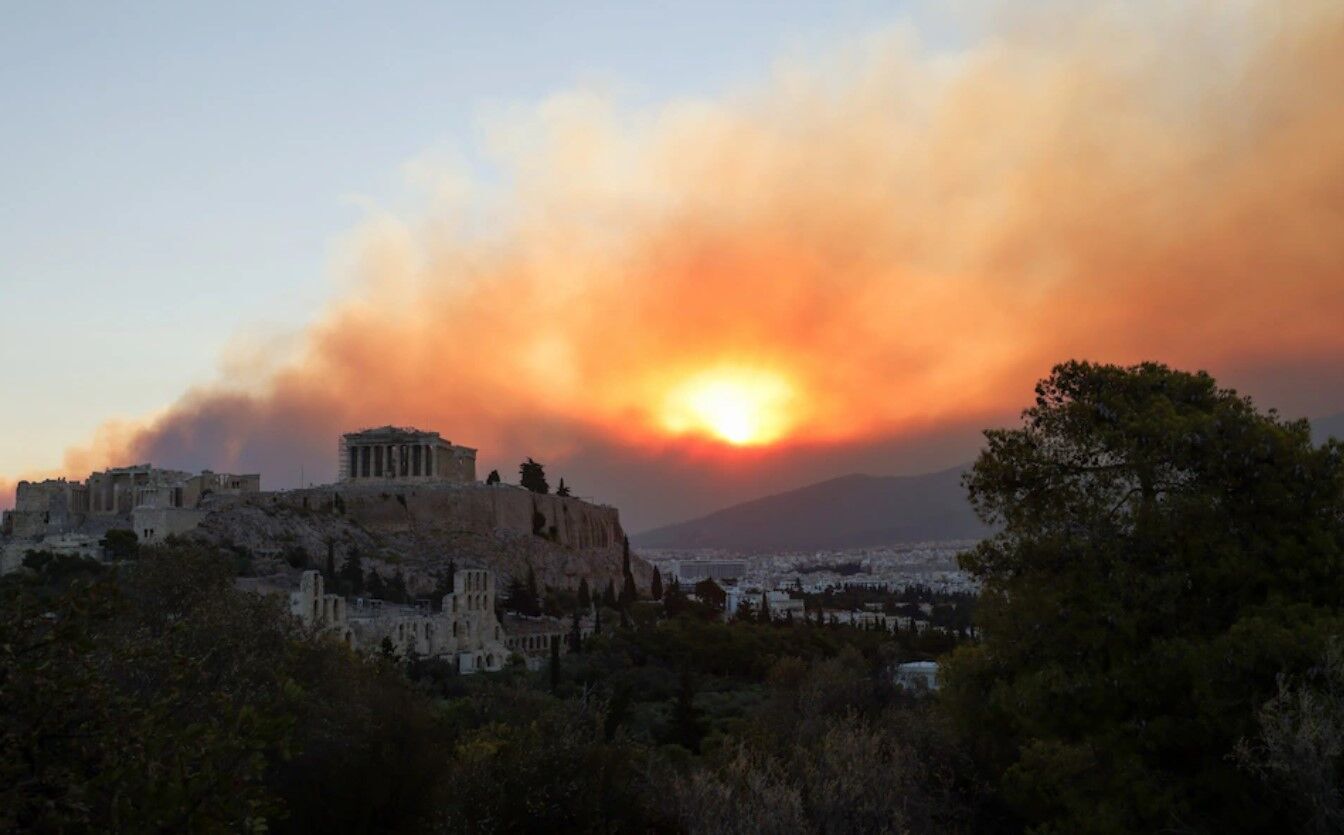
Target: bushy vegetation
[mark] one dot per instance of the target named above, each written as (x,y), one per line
(1157,649)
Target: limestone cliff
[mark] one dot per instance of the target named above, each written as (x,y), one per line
(419,528)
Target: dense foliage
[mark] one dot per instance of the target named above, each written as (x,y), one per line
(1165,553)
(1156,649)
(155,696)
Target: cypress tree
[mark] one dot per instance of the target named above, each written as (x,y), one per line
(609,596)
(656,588)
(532,589)
(352,573)
(585,596)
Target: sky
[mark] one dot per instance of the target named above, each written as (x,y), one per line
(685,254)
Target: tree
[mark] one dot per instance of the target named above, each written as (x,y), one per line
(562,490)
(396,589)
(533,476)
(374,585)
(674,601)
(493,478)
(329,571)
(555,663)
(625,556)
(121,544)
(1164,552)
(609,596)
(712,594)
(629,594)
(1300,745)
(687,729)
(520,598)
(576,635)
(532,591)
(444,585)
(656,587)
(352,573)
(585,596)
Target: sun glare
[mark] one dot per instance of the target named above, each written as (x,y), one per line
(743,408)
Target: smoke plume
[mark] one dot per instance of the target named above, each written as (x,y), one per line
(898,239)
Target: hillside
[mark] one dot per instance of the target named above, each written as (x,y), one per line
(419,529)
(846,512)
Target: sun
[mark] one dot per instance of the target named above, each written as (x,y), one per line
(738,406)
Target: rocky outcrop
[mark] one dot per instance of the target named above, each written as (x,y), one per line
(419,528)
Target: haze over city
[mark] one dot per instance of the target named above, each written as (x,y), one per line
(684,257)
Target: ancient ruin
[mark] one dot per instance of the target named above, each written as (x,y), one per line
(465,630)
(71,516)
(391,453)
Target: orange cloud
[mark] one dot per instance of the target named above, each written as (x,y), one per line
(890,237)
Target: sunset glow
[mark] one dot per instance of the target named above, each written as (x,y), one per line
(872,250)
(743,408)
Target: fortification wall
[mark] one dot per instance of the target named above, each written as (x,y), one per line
(470,508)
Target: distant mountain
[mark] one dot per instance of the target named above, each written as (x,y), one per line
(1328,427)
(852,511)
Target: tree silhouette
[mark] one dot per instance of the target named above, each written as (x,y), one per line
(562,490)
(493,478)
(533,476)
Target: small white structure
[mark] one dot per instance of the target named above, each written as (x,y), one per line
(918,676)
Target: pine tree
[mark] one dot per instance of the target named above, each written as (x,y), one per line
(656,588)
(562,490)
(533,476)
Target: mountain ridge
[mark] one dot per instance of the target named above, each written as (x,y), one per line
(848,511)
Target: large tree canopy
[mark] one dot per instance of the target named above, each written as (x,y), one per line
(1165,551)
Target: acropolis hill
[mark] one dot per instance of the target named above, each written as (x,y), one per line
(406,501)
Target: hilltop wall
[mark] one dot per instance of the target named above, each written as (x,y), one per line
(418,528)
(465,508)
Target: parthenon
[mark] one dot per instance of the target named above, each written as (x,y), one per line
(403,454)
